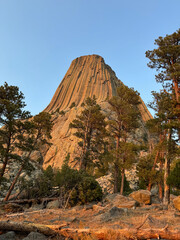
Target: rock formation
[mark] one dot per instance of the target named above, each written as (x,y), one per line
(87,76)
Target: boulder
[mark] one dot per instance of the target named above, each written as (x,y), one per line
(8,236)
(155,199)
(120,201)
(98,208)
(141,196)
(35,236)
(154,190)
(115,211)
(53,205)
(106,183)
(176,203)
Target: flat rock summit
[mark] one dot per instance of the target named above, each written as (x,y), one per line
(87,76)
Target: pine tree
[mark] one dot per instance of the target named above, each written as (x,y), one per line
(174,177)
(124,107)
(36,133)
(12,113)
(90,128)
(166,60)
(164,125)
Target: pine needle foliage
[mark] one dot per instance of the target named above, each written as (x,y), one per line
(90,128)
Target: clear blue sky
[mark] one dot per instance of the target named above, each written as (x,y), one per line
(40,38)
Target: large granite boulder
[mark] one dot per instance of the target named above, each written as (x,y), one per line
(120,201)
(8,236)
(176,203)
(35,236)
(141,196)
(53,204)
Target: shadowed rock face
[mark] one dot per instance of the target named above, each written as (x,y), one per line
(87,76)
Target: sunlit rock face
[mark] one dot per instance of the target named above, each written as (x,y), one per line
(86,77)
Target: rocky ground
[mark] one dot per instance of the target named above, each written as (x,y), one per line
(108,219)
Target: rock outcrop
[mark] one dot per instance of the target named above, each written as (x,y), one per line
(87,76)
(142,196)
(176,203)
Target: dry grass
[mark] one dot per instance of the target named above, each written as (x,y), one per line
(108,234)
(84,237)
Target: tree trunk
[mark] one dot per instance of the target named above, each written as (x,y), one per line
(166,198)
(177,94)
(154,165)
(177,90)
(161,183)
(116,167)
(122,181)
(116,177)
(27,227)
(160,191)
(13,184)
(6,159)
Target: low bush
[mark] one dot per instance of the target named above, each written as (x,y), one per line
(77,187)
(83,188)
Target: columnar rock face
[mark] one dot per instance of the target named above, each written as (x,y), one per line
(87,76)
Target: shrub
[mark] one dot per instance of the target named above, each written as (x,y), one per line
(62,113)
(72,185)
(82,187)
(72,105)
(39,187)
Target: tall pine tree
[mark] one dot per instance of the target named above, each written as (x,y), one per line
(90,128)
(125,120)
(12,113)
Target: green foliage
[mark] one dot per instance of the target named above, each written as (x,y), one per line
(125,108)
(90,128)
(42,186)
(174,177)
(83,188)
(57,110)
(62,113)
(11,115)
(80,187)
(165,58)
(146,173)
(166,117)
(72,105)
(127,189)
(122,125)
(20,135)
(166,125)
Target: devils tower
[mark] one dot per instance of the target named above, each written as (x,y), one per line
(86,76)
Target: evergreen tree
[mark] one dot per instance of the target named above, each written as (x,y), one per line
(166,60)
(124,122)
(164,125)
(90,128)
(12,114)
(37,132)
(174,177)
